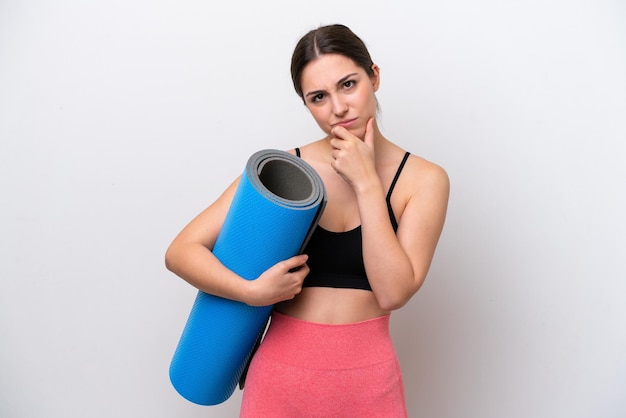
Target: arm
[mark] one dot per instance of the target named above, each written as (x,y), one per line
(189,256)
(396,263)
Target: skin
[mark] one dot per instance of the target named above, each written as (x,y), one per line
(357,165)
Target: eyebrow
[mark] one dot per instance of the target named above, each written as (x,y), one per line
(341,81)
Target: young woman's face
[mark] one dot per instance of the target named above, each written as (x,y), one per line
(339,92)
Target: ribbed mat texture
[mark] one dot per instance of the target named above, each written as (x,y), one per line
(277,204)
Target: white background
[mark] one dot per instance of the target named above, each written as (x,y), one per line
(121,120)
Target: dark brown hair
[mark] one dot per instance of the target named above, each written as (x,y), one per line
(331,39)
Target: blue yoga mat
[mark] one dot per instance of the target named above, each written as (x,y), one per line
(277,204)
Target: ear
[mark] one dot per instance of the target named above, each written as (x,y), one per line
(375,77)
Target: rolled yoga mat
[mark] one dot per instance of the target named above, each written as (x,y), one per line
(275,208)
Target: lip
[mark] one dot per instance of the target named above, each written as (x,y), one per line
(346,123)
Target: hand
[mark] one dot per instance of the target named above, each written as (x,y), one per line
(280,282)
(353,157)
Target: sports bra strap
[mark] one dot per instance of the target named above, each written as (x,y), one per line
(394,222)
(395,179)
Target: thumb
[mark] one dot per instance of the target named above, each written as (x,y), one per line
(369,133)
(296,261)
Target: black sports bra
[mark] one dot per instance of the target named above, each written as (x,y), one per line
(336,258)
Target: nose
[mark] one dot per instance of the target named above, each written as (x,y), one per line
(340,107)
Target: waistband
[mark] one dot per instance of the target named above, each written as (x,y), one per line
(328,346)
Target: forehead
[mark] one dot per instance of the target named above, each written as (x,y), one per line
(325,71)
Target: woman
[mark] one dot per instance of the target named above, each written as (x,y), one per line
(327,352)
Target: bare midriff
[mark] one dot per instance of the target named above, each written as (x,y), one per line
(327,305)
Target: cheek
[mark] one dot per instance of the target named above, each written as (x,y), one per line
(369,100)
(320,116)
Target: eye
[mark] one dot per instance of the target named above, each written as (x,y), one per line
(349,84)
(317,97)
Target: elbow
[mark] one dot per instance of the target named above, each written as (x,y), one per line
(170,259)
(391,306)
(168,262)
(392,302)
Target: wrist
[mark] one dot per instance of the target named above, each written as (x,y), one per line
(249,292)
(367,189)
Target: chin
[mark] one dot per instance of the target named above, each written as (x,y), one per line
(359,132)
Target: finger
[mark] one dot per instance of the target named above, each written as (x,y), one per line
(300,272)
(340,132)
(335,143)
(369,133)
(296,261)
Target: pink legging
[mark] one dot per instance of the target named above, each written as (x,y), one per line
(304,369)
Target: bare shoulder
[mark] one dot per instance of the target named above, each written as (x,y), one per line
(310,149)
(422,175)
(425,189)
(316,153)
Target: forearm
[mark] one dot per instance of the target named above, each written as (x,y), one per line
(197,265)
(389,269)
